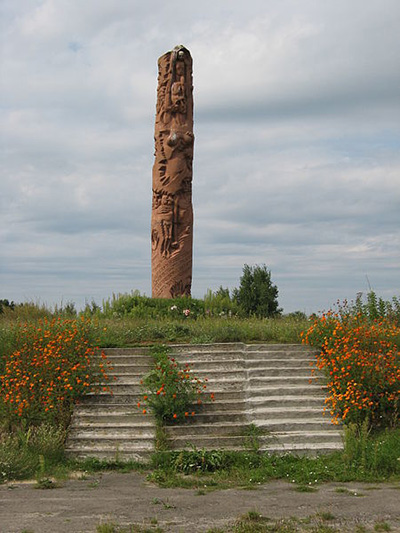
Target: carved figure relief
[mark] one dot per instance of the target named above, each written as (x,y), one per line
(172,211)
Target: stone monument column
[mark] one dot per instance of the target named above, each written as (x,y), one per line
(172,211)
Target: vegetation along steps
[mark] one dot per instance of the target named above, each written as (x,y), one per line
(265,399)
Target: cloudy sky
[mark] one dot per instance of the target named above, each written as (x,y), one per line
(297,160)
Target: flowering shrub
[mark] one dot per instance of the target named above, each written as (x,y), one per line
(361,358)
(53,365)
(171,391)
(135,306)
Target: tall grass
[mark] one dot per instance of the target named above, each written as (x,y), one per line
(130,319)
(132,331)
(26,452)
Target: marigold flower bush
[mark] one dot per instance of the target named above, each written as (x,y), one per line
(361,358)
(53,365)
(171,392)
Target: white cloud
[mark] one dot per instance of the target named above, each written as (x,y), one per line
(296,155)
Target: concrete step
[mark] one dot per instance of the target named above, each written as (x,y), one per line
(115,418)
(214,364)
(145,361)
(126,378)
(297,424)
(217,417)
(287,348)
(110,454)
(222,374)
(303,437)
(204,357)
(208,442)
(132,387)
(131,408)
(196,428)
(139,351)
(301,449)
(111,447)
(130,368)
(141,423)
(111,442)
(128,387)
(279,363)
(100,398)
(224,394)
(272,443)
(280,413)
(266,385)
(102,431)
(258,371)
(265,357)
(285,401)
(94,409)
(285,381)
(224,403)
(260,388)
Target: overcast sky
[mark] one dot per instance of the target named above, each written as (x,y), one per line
(297,159)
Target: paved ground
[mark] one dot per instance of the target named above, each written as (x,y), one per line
(78,506)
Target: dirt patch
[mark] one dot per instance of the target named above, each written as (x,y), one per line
(79,505)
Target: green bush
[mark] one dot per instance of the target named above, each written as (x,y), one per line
(220,304)
(374,308)
(136,306)
(47,367)
(361,357)
(257,295)
(170,390)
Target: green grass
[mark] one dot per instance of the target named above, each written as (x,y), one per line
(325,515)
(377,460)
(120,325)
(36,452)
(40,455)
(129,331)
(254,522)
(382,526)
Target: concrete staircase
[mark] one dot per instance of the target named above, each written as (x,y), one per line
(263,399)
(109,425)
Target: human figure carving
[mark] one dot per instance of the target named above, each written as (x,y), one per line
(172,211)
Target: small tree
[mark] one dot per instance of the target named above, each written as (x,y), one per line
(257,295)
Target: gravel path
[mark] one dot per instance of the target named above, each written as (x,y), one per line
(79,505)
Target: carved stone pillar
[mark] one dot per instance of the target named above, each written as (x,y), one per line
(172,211)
